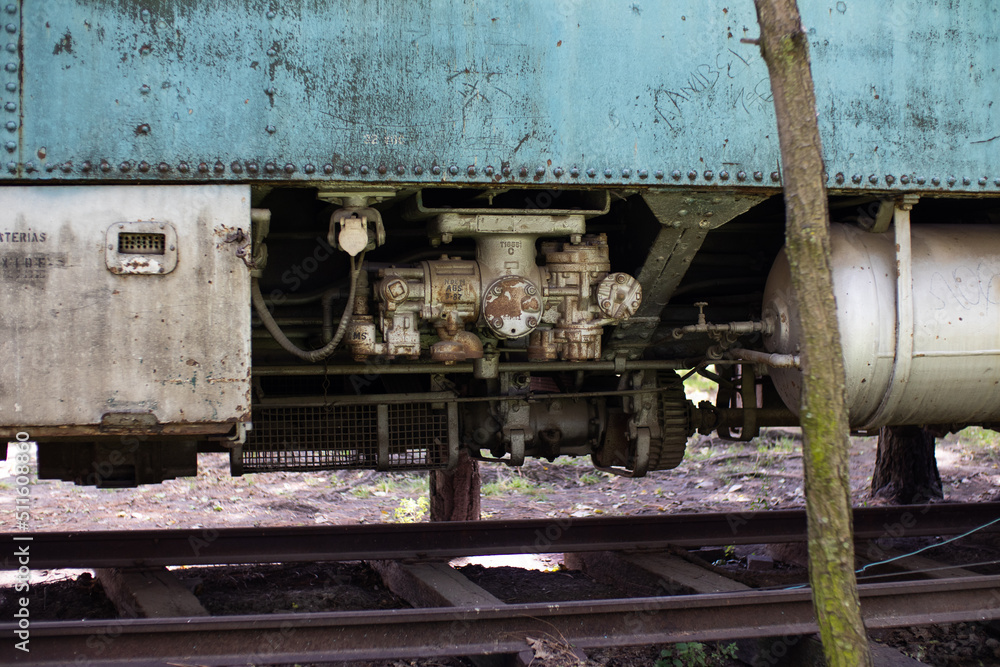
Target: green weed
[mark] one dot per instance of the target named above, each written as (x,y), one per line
(514,484)
(695,654)
(411,510)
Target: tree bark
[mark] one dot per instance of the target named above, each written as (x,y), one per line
(823,415)
(455,494)
(906,471)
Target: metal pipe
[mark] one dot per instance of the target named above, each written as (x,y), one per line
(308,355)
(518,367)
(773,360)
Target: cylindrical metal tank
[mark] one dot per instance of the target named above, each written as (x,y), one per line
(952,373)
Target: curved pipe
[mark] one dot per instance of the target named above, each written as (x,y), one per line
(272,327)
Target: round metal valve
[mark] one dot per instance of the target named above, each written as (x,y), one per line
(619,296)
(512,307)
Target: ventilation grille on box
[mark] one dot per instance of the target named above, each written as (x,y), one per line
(413,436)
(141,244)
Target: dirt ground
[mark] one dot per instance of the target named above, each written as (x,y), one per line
(715,476)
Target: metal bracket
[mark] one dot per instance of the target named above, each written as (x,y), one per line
(904,310)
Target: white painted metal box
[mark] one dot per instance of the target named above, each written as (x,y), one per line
(124,309)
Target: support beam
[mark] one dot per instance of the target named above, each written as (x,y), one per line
(685,219)
(148,593)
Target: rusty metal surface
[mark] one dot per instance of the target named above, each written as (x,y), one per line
(411,633)
(84,344)
(453,539)
(434,91)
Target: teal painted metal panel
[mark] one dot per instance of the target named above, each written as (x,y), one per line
(446,91)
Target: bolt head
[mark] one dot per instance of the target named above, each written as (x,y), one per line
(436,170)
(890,179)
(346,169)
(643,173)
(327,168)
(400,170)
(741,176)
(775,176)
(270,167)
(418,170)
(488,171)
(253,167)
(708,175)
(539,171)
(758,176)
(692,175)
(626,173)
(935,180)
(904,179)
(85,166)
(453,170)
(163,167)
(522,172)
(557,172)
(309,169)
(591,172)
(856,178)
(271,129)
(218,167)
(289,168)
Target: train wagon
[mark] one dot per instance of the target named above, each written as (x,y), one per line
(349,234)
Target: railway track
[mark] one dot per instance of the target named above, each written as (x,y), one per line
(463,620)
(129,548)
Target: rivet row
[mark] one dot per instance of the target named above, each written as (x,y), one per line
(8,97)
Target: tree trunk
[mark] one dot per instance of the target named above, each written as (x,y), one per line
(825,430)
(455,493)
(906,471)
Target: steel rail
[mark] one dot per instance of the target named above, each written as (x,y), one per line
(452,539)
(412,633)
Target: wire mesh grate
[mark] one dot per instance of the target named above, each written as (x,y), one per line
(303,438)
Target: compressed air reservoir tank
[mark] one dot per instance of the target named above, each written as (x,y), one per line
(929,357)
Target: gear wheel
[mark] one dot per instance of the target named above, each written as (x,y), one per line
(667,451)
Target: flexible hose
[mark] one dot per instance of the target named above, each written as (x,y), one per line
(272,327)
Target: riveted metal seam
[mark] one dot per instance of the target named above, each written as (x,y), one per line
(15,98)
